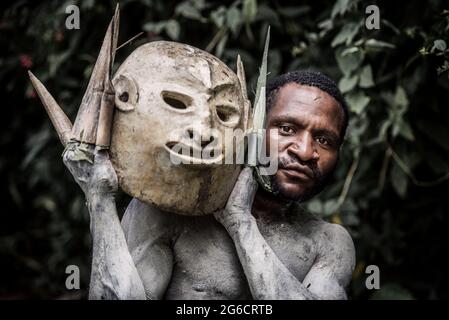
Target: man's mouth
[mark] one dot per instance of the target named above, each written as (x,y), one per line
(297,171)
(188,154)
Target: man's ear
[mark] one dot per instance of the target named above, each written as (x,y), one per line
(126,93)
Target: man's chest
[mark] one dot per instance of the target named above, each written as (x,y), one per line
(206,264)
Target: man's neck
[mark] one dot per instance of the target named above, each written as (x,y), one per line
(268,206)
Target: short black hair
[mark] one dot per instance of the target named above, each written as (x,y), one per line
(312,79)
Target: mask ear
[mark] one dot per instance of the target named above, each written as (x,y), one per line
(242,80)
(126,93)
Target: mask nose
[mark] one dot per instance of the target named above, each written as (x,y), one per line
(202,132)
(201,137)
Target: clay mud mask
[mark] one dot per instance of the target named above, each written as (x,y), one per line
(169,94)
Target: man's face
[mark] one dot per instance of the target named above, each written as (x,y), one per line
(308,122)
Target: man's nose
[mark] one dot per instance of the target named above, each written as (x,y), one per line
(304,148)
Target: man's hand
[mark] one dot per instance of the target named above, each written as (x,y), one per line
(91,169)
(238,207)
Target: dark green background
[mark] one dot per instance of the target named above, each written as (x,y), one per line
(390,190)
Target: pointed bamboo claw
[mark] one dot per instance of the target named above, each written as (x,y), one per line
(57,116)
(241,76)
(94,119)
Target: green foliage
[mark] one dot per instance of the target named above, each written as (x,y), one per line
(389,190)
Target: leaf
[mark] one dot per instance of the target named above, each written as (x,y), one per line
(234,20)
(366,77)
(172,28)
(346,34)
(55,61)
(400,97)
(340,7)
(350,50)
(218,16)
(199,4)
(221,45)
(330,207)
(35,144)
(346,84)
(399,180)
(439,44)
(349,62)
(377,44)
(249,10)
(315,206)
(357,101)
(188,10)
(155,27)
(386,124)
(405,130)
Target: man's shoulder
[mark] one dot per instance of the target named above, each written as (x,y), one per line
(321,229)
(142,221)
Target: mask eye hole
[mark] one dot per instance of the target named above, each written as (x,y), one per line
(176,100)
(227,114)
(222,115)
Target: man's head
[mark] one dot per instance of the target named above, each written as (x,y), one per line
(310,116)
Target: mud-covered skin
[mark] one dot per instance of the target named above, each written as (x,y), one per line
(114,274)
(267,250)
(232,255)
(181,257)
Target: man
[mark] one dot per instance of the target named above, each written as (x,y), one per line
(260,246)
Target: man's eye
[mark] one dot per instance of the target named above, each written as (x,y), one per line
(286,129)
(323,141)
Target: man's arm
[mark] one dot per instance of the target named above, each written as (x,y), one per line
(113,274)
(267,276)
(333,267)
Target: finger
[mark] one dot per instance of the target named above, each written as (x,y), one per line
(245,187)
(101,156)
(57,116)
(76,152)
(246,178)
(98,93)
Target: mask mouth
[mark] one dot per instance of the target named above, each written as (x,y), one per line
(181,153)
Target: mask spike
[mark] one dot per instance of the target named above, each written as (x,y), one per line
(256,137)
(57,116)
(99,92)
(241,76)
